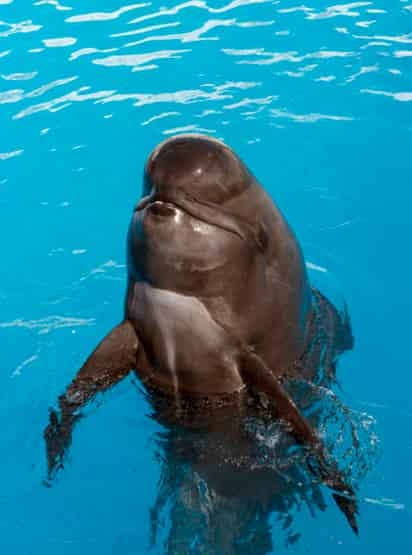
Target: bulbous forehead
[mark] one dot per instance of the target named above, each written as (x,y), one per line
(198,165)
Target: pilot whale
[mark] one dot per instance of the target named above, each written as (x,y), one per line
(218,306)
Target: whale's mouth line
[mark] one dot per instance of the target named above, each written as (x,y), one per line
(201,210)
(168,199)
(160,198)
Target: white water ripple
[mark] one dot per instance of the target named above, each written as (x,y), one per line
(48,324)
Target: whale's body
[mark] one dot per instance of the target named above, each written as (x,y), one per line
(218,301)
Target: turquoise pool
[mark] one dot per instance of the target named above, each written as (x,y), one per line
(317,99)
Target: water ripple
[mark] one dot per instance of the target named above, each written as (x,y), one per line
(20,76)
(403,39)
(401,96)
(188,129)
(50,323)
(146,29)
(86,51)
(338,11)
(200,4)
(23,27)
(59,42)
(16,95)
(160,116)
(7,155)
(54,3)
(402,53)
(64,101)
(190,36)
(307,118)
(385,502)
(250,102)
(102,64)
(139,62)
(276,57)
(105,16)
(22,365)
(219,92)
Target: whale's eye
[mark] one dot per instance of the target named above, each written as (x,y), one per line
(262,238)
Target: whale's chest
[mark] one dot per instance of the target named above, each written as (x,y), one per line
(186,347)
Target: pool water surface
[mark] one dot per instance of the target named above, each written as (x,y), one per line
(317,100)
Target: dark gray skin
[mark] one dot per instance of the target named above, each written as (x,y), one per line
(218,302)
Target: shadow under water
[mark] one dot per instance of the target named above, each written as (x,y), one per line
(233,479)
(233,484)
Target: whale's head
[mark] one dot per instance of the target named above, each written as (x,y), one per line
(205,227)
(191,230)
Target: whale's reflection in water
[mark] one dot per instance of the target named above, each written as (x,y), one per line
(233,480)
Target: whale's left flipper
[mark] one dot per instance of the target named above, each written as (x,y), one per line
(257,375)
(111,361)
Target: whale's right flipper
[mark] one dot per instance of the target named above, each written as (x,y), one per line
(111,361)
(258,376)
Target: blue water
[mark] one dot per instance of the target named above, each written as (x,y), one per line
(317,99)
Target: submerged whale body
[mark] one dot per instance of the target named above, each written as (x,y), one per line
(219,312)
